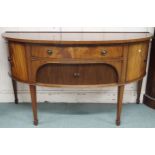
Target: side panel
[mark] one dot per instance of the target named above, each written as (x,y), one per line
(18,61)
(137,60)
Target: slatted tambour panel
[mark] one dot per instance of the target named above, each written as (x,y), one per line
(77,74)
(101,95)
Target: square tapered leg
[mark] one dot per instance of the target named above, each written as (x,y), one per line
(34,103)
(119,104)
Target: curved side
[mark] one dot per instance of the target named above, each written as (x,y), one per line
(18,61)
(137,61)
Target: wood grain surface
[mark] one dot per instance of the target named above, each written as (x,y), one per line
(76,37)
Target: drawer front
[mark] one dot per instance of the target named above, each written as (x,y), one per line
(97,52)
(76,74)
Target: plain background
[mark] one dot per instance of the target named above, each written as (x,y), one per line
(82,95)
(81,13)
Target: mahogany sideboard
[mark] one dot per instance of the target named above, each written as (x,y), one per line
(81,59)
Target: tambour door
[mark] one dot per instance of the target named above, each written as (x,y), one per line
(76,74)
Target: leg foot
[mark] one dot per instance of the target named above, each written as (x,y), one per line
(16,101)
(118,122)
(35,122)
(138,101)
(139,87)
(119,104)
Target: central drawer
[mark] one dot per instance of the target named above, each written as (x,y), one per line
(76,74)
(77,52)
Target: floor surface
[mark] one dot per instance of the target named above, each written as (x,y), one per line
(65,115)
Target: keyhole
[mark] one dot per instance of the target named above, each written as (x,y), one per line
(139,50)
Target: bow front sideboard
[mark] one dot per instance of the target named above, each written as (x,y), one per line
(77,59)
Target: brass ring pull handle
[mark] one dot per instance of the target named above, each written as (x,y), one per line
(145,60)
(9,59)
(49,52)
(104,52)
(76,75)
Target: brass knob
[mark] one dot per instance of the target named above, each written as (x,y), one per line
(104,52)
(49,52)
(76,75)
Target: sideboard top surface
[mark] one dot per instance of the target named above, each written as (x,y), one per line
(77,37)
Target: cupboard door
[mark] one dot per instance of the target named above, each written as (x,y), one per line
(137,60)
(18,61)
(91,74)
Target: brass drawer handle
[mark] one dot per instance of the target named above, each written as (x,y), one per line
(104,53)
(49,52)
(9,59)
(145,61)
(76,75)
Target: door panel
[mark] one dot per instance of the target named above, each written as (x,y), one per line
(77,74)
(137,60)
(18,61)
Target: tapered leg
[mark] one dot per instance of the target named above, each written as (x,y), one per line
(14,84)
(119,104)
(34,103)
(139,88)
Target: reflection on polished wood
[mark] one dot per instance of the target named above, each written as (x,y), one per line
(78,59)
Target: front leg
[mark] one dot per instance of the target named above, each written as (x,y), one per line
(34,103)
(119,104)
(139,88)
